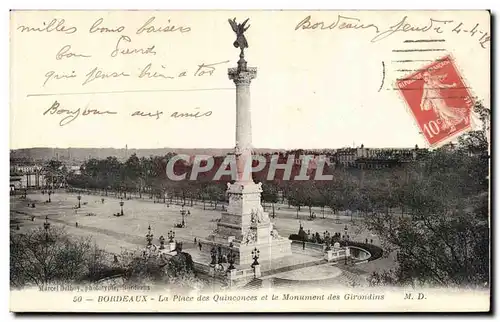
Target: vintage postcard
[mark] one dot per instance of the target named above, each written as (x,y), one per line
(250,161)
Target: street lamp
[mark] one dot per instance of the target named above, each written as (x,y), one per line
(121,207)
(79,198)
(183,213)
(49,193)
(255,256)
(345,257)
(149,236)
(46,226)
(345,231)
(171,236)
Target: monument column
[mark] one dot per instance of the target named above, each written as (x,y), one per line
(242,77)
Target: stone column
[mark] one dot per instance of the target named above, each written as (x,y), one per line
(242,76)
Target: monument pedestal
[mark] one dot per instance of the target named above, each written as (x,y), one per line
(245,226)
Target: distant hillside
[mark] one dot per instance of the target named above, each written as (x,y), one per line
(82,154)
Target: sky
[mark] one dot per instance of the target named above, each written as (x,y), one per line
(314,88)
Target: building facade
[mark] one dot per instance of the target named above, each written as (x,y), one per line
(376,158)
(27,176)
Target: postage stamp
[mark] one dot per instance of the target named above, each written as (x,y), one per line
(439,100)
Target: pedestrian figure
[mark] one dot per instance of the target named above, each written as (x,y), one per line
(195,240)
(366,241)
(17,227)
(371,241)
(32,218)
(303,245)
(115,259)
(199,245)
(76,224)
(189,212)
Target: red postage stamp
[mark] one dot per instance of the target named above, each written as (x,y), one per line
(439,100)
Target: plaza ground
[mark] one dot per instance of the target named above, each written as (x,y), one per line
(128,232)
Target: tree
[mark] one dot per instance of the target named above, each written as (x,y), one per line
(445,239)
(270,194)
(216,192)
(42,256)
(323,196)
(296,198)
(339,192)
(150,266)
(55,172)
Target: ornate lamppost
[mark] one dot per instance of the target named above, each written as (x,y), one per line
(255,256)
(46,226)
(231,259)
(121,207)
(171,236)
(79,197)
(162,242)
(149,236)
(183,213)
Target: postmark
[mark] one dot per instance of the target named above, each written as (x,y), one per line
(439,100)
